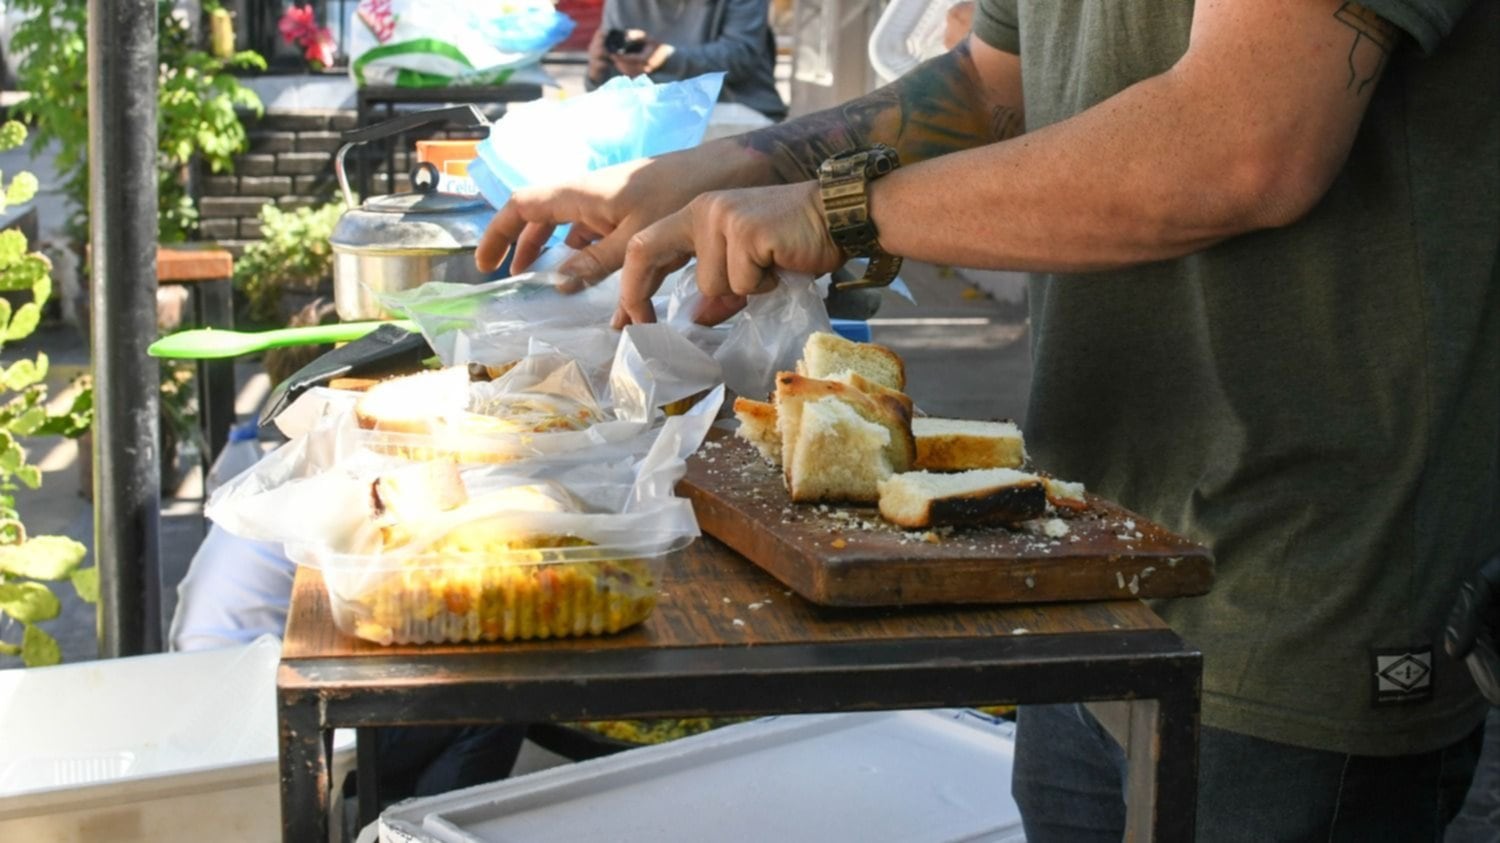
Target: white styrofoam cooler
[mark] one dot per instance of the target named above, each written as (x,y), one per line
(880,777)
(170,747)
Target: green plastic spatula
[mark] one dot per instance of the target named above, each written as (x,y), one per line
(213,343)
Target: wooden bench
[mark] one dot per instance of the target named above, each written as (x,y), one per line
(208,275)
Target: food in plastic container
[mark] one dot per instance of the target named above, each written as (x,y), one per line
(476,585)
(485,579)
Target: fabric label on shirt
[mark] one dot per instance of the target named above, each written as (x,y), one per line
(1403,676)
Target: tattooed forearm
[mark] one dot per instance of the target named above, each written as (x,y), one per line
(1374,39)
(936,109)
(1005,122)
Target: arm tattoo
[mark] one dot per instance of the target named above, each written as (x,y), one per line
(1374,39)
(936,109)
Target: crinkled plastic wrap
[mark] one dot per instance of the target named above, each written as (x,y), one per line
(560,546)
(499,322)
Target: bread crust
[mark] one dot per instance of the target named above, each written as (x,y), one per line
(758,426)
(1009,504)
(836,344)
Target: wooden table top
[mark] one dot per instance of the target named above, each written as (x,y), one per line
(710,596)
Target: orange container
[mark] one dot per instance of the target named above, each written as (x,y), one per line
(451,157)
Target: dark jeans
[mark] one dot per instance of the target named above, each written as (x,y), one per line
(1069,782)
(428,760)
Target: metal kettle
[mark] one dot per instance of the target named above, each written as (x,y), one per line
(403,240)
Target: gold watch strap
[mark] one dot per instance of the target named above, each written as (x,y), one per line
(880,273)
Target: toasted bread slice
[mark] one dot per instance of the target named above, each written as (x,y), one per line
(841,455)
(1063,494)
(960,445)
(826,354)
(870,387)
(793,391)
(758,427)
(919,499)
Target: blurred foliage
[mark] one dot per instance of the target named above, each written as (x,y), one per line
(293,253)
(28,563)
(196,101)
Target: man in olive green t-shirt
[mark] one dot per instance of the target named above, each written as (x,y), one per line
(1266,312)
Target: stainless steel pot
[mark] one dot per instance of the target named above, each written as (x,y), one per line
(403,240)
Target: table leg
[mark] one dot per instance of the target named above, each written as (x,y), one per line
(215,309)
(367,758)
(1160,738)
(306,752)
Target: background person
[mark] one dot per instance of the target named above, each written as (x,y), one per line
(681,39)
(1265,312)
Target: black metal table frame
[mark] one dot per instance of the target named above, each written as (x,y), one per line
(1143,686)
(369,99)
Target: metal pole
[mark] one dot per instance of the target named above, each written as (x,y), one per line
(122,206)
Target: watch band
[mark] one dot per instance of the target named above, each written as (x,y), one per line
(843,187)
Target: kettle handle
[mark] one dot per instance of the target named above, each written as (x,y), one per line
(466,116)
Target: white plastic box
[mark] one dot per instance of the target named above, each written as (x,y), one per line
(883,777)
(163,748)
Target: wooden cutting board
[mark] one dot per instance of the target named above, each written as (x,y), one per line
(840,555)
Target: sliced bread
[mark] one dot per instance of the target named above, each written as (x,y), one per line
(919,499)
(405,497)
(841,456)
(758,427)
(421,403)
(793,391)
(1065,495)
(960,445)
(826,354)
(870,387)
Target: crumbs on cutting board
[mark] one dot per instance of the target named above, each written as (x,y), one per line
(1054,533)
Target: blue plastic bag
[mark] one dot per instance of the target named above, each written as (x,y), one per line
(551,141)
(535,27)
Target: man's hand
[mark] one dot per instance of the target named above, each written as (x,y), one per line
(1473,632)
(647,60)
(739,237)
(609,206)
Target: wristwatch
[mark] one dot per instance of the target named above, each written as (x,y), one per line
(843,181)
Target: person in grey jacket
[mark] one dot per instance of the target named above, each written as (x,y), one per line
(670,40)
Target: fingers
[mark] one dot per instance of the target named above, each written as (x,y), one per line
(649,256)
(1463,621)
(532,240)
(595,261)
(1484,666)
(498,236)
(715,309)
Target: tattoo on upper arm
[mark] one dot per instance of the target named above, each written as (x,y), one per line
(1374,40)
(933,110)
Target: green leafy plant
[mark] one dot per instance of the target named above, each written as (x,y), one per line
(28,562)
(197,98)
(293,254)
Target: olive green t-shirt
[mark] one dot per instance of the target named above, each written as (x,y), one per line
(1319,404)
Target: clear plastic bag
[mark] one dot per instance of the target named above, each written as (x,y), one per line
(501,321)
(544,548)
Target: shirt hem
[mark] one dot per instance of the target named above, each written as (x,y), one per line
(1433,730)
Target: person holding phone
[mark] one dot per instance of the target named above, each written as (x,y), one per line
(669,40)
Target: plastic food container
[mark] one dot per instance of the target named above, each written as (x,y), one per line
(528,591)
